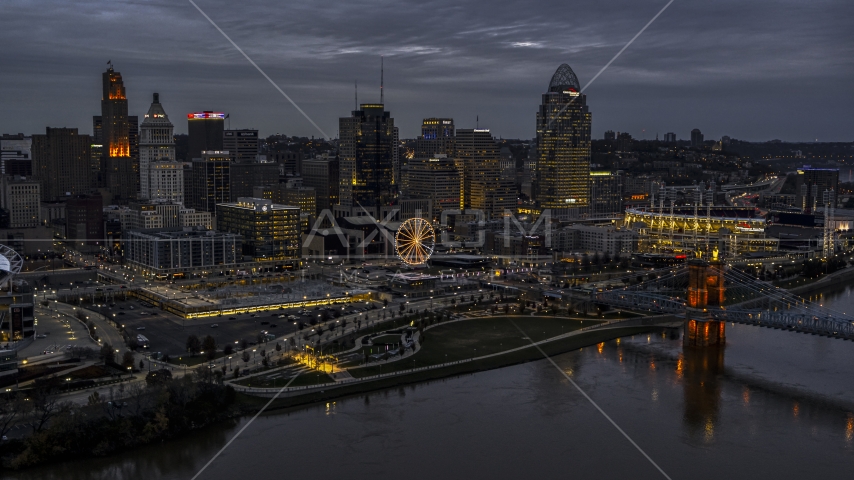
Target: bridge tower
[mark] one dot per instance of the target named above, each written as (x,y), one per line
(705,288)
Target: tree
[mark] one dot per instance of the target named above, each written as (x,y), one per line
(236,372)
(141,364)
(209,347)
(107,353)
(11,407)
(385,302)
(278,347)
(228,350)
(127,359)
(44,405)
(245,356)
(194,345)
(265,362)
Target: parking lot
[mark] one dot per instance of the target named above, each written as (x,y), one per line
(167,333)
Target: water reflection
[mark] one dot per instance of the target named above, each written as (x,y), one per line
(702,369)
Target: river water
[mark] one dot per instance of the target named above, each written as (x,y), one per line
(771,404)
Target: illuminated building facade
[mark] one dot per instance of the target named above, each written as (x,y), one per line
(205,131)
(61,162)
(366,155)
(437,137)
(563,146)
(21,197)
(122,167)
(180,251)
(436,179)
(157,144)
(271,231)
(734,230)
(483,188)
(606,195)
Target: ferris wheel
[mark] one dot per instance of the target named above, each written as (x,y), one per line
(414,241)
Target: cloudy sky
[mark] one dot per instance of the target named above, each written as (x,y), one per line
(754,70)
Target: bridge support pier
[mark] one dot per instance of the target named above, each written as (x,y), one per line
(705,288)
(704,333)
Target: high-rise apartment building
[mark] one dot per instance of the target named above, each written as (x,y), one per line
(21,197)
(156,144)
(321,174)
(815,188)
(84,220)
(606,194)
(242,145)
(165,181)
(117,135)
(61,161)
(366,153)
(210,181)
(205,133)
(669,137)
(696,138)
(563,145)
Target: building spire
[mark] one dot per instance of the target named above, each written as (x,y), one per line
(382,78)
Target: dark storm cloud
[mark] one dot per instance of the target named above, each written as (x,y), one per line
(756,70)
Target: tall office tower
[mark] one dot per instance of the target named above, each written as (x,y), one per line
(16,155)
(395,155)
(669,137)
(156,144)
(816,187)
(271,232)
(696,138)
(437,137)
(210,181)
(367,161)
(563,146)
(245,176)
(122,171)
(436,179)
(206,133)
(84,217)
(98,166)
(21,198)
(242,145)
(606,194)
(610,135)
(478,159)
(166,181)
(61,161)
(321,174)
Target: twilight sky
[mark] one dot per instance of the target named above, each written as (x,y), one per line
(754,70)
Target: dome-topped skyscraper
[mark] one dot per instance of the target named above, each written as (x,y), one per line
(157,156)
(563,147)
(563,80)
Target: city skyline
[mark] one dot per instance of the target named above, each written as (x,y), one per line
(672,79)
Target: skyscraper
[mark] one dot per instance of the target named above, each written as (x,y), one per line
(437,137)
(242,145)
(563,145)
(122,176)
(478,159)
(367,161)
(206,133)
(61,160)
(815,188)
(321,174)
(696,138)
(156,144)
(209,181)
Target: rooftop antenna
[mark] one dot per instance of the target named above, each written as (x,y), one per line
(382,79)
(356,106)
(477,122)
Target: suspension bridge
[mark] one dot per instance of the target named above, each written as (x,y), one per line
(710,293)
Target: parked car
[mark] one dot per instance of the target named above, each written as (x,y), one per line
(140,328)
(214,325)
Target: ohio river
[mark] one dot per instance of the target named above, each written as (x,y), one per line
(772,404)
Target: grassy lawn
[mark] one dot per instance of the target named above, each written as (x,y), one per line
(386,339)
(482,336)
